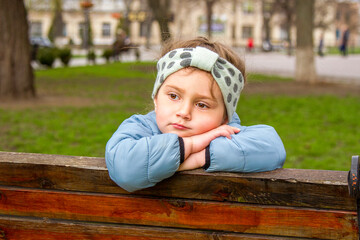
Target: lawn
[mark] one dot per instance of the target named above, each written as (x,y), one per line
(79,108)
(336,51)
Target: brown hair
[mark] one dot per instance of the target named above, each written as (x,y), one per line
(223,51)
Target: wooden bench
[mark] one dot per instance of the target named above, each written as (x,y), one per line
(67,197)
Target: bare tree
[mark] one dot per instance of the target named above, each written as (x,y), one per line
(57,25)
(267,13)
(209,14)
(287,8)
(124,22)
(323,18)
(209,11)
(305,61)
(16,75)
(161,12)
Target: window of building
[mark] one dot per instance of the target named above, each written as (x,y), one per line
(145,29)
(247,32)
(248,7)
(338,14)
(39,4)
(106,30)
(36,29)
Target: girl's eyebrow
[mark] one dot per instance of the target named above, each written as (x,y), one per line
(198,96)
(175,87)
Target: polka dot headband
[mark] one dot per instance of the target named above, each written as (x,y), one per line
(228,77)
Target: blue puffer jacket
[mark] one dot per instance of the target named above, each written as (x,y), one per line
(138,155)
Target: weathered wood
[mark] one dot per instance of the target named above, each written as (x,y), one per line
(289,187)
(180,213)
(20,228)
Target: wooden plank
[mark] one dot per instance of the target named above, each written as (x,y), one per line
(180,213)
(20,228)
(290,187)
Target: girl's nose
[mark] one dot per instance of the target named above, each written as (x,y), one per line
(184,111)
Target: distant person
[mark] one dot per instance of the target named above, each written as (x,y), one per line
(119,45)
(344,42)
(34,51)
(321,46)
(250,44)
(338,35)
(122,44)
(194,123)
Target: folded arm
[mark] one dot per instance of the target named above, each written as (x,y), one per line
(136,159)
(254,149)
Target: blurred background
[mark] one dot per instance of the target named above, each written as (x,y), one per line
(263,25)
(72,70)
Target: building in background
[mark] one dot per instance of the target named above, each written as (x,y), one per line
(234,22)
(104,19)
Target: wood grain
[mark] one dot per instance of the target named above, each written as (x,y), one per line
(20,228)
(179,213)
(283,187)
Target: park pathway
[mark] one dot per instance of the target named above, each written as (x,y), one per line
(331,68)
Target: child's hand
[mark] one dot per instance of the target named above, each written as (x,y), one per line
(195,160)
(199,142)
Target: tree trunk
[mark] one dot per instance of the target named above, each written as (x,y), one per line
(267,13)
(209,13)
(305,61)
(288,30)
(57,25)
(266,25)
(161,12)
(164,29)
(16,75)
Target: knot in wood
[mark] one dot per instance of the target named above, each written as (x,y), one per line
(223,194)
(178,203)
(46,183)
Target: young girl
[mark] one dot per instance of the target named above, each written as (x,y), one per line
(194,123)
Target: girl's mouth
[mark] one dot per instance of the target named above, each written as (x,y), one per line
(179,126)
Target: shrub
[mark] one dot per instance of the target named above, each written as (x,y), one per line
(46,56)
(107,53)
(65,56)
(91,56)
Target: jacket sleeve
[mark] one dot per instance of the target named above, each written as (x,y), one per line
(137,159)
(256,148)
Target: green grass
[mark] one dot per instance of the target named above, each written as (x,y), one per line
(255,77)
(336,51)
(68,131)
(319,132)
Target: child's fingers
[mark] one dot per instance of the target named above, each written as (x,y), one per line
(227,132)
(236,130)
(224,131)
(230,129)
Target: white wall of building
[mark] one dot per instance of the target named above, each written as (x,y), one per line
(235,19)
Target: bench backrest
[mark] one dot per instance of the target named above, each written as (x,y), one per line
(52,196)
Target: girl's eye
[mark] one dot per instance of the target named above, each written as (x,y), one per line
(173,96)
(202,105)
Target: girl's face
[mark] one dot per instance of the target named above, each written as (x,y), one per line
(189,103)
